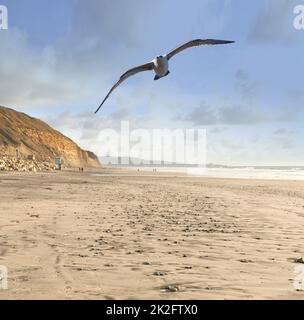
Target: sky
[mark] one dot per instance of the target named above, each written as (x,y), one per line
(58,59)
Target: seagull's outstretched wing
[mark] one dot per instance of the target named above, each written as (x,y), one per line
(195,43)
(129,73)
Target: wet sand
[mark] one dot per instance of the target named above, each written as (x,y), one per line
(149,236)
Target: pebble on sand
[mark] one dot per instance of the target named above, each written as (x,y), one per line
(299,260)
(171,288)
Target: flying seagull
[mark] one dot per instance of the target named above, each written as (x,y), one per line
(160,64)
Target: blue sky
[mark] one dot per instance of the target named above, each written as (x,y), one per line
(58,60)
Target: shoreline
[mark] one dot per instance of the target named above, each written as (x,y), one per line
(132,172)
(219,173)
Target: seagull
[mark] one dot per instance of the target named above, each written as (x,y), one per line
(160,64)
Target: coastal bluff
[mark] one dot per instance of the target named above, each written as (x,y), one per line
(29,144)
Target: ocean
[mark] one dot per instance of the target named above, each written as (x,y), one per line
(272,173)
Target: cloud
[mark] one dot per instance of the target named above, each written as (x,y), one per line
(201,115)
(121,114)
(237,115)
(32,77)
(78,67)
(229,144)
(284,142)
(296,96)
(233,115)
(218,130)
(247,88)
(274,23)
(283,132)
(280,131)
(72,69)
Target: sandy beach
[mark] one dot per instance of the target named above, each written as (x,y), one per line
(139,235)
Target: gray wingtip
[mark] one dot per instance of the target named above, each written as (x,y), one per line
(221,41)
(226,41)
(98,108)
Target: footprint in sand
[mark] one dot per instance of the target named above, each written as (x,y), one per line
(159,273)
